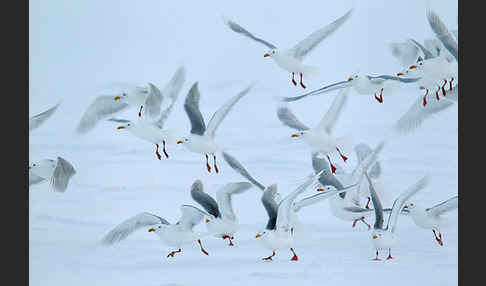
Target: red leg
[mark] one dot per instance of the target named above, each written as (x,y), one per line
(163,149)
(294,258)
(333,169)
(270,257)
(342,156)
(355,221)
(438,239)
(450,83)
(293,80)
(291,231)
(173,253)
(202,249)
(389,254)
(443,90)
(301,83)
(376,258)
(362,219)
(380,99)
(368,203)
(207,164)
(437,93)
(215,167)
(229,238)
(140,112)
(425,96)
(157,151)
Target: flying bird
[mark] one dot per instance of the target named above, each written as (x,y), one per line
(57,172)
(36,120)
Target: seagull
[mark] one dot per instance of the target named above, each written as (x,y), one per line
(278,232)
(384,238)
(58,172)
(291,59)
(319,138)
(362,84)
(222,220)
(323,192)
(431,218)
(173,235)
(154,132)
(148,98)
(201,139)
(36,120)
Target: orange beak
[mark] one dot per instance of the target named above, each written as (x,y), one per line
(151,229)
(405,207)
(117,97)
(294,135)
(257,236)
(350,79)
(320,190)
(207,220)
(399,74)
(120,127)
(375,237)
(421,87)
(266,55)
(413,67)
(179,142)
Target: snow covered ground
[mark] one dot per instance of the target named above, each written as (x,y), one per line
(80,50)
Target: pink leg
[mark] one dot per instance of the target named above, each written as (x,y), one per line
(380,99)
(293,80)
(342,156)
(215,167)
(301,83)
(270,257)
(173,253)
(333,169)
(294,258)
(202,249)
(163,149)
(207,164)
(157,151)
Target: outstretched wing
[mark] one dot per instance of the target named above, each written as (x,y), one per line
(331,87)
(191,216)
(171,93)
(129,226)
(102,107)
(153,101)
(239,29)
(310,200)
(446,206)
(377,206)
(288,118)
(362,151)
(381,78)
(62,174)
(205,200)
(221,113)
(329,120)
(443,33)
(304,47)
(400,201)
(224,195)
(268,201)
(191,106)
(326,178)
(427,54)
(36,120)
(236,165)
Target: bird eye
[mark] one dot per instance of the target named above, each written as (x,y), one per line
(356,76)
(301,133)
(273,52)
(128,124)
(159,226)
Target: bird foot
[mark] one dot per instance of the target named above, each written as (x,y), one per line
(301,83)
(294,82)
(443,90)
(450,83)
(376,259)
(389,257)
(202,249)
(165,152)
(269,258)
(294,258)
(173,253)
(157,151)
(368,203)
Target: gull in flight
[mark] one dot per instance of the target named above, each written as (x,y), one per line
(291,59)
(154,132)
(319,138)
(362,84)
(222,221)
(148,99)
(36,120)
(58,172)
(173,235)
(431,218)
(201,139)
(384,238)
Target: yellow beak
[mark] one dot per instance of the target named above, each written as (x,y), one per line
(399,74)
(266,55)
(294,135)
(375,237)
(179,142)
(120,127)
(350,79)
(117,97)
(151,229)
(258,235)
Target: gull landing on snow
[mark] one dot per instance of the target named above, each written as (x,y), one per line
(291,59)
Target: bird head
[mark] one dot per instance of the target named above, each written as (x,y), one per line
(156,228)
(122,97)
(299,134)
(183,140)
(271,53)
(125,126)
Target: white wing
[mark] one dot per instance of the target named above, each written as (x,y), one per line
(400,201)
(285,206)
(329,120)
(129,226)
(36,120)
(310,200)
(239,29)
(170,94)
(102,107)
(191,216)
(446,206)
(153,101)
(300,50)
(224,195)
(443,34)
(62,174)
(221,113)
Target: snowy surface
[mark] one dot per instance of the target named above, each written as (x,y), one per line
(83,49)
